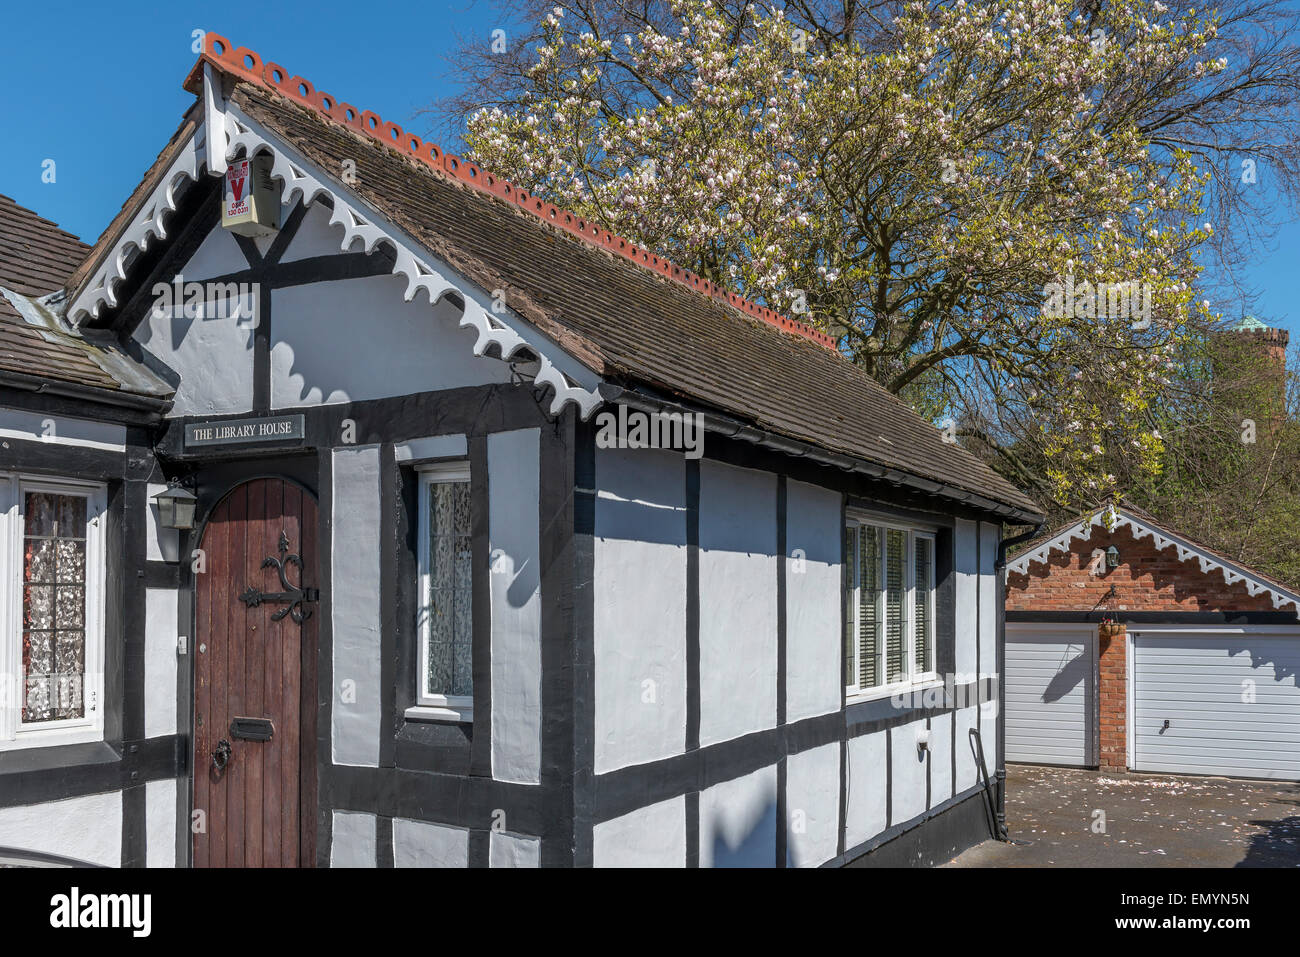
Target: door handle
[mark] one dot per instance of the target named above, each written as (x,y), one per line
(221,756)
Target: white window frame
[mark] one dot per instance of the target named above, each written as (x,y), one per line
(429,706)
(912,680)
(14,734)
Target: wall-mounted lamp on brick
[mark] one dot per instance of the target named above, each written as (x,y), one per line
(1112,557)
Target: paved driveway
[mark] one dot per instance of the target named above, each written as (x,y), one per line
(1150,820)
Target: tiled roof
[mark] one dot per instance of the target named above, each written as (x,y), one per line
(36,258)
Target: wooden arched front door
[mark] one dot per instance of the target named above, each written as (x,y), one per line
(256,615)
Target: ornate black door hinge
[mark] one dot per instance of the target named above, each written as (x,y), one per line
(293,595)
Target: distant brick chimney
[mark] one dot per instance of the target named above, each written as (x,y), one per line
(1250,371)
(1272,341)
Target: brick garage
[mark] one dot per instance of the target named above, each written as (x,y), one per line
(1127,643)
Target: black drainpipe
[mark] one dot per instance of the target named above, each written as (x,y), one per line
(999,573)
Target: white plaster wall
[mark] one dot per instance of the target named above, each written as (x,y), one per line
(908,770)
(966,569)
(355,339)
(940,759)
(989,732)
(161,544)
(738,821)
(653,836)
(61,430)
(85,828)
(354,606)
(737,601)
(813,541)
(640,614)
(160,618)
(160,823)
(217,255)
(315,236)
(515,580)
(988,553)
(421,844)
(812,800)
(213,357)
(966,774)
(353,842)
(867,780)
(513,850)
(989,615)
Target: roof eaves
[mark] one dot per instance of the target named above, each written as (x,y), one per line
(726,424)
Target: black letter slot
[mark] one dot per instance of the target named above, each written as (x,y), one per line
(252,729)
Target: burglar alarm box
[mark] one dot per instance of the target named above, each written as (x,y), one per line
(251,202)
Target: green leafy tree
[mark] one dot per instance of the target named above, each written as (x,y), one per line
(1230,468)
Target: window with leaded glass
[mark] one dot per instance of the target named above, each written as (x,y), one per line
(52,655)
(446,679)
(889,605)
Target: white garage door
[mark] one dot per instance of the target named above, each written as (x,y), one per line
(1051,694)
(1217,703)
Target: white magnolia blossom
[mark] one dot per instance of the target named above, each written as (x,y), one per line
(772,170)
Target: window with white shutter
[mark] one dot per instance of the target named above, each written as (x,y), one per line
(888,607)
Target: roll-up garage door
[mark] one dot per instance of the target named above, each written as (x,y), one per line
(1217,703)
(1051,695)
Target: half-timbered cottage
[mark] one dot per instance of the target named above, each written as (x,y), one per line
(399,518)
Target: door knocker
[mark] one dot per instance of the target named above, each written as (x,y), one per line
(221,756)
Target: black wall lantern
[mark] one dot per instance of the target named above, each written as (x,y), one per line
(1112,557)
(176,506)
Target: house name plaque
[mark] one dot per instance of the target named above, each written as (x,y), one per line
(282,428)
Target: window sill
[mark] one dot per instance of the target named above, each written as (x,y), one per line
(463,714)
(32,738)
(891,691)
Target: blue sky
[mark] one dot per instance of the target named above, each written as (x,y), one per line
(96,87)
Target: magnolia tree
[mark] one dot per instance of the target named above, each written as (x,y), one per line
(970,195)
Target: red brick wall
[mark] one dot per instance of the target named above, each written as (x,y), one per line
(1112,692)
(1146,580)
